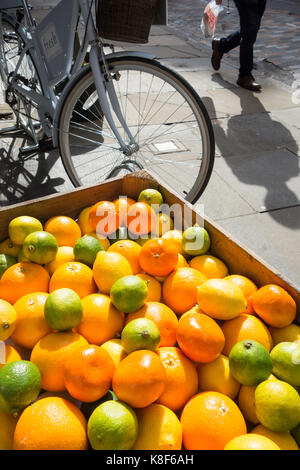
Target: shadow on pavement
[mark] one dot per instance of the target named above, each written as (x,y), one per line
(233,138)
(25,177)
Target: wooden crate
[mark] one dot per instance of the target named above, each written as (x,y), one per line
(238,258)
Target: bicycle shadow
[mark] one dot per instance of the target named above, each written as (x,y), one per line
(25,177)
(234,141)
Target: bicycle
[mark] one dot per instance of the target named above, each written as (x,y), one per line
(108,113)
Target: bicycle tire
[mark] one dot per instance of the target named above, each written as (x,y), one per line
(81,155)
(13,38)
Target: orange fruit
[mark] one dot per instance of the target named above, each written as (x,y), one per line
(101,321)
(50,355)
(158,257)
(163,316)
(65,230)
(182,378)
(153,285)
(104,218)
(246,402)
(88,373)
(64,255)
(176,237)
(210,420)
(274,305)
(108,268)
(11,355)
(51,423)
(141,219)
(210,266)
(122,205)
(247,286)
(200,337)
(145,385)
(245,327)
(31,324)
(21,279)
(130,250)
(76,276)
(180,289)
(115,350)
(216,376)
(83,221)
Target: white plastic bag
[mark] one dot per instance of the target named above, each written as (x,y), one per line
(210,18)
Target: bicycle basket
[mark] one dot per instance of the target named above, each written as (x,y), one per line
(125,20)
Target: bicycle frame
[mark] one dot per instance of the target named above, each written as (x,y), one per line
(51,47)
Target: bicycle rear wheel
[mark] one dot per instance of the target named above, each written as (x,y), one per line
(25,110)
(164,114)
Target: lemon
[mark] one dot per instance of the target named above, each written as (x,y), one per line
(86,249)
(5,262)
(40,247)
(20,227)
(20,383)
(63,309)
(251,442)
(250,362)
(195,241)
(287,333)
(221,299)
(115,349)
(286,362)
(108,268)
(8,319)
(64,254)
(216,376)
(176,237)
(7,428)
(277,405)
(128,294)
(282,439)
(7,247)
(112,426)
(140,333)
(159,429)
(164,224)
(83,221)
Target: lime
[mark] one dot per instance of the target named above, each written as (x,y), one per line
(140,333)
(5,262)
(129,293)
(112,426)
(195,241)
(63,309)
(151,197)
(20,383)
(277,405)
(250,362)
(22,226)
(88,408)
(40,247)
(286,362)
(86,249)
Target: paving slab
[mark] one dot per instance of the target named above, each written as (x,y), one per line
(272,236)
(267,180)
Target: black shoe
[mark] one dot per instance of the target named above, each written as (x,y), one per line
(248,82)
(217,55)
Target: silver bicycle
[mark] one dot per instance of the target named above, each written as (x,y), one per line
(108,112)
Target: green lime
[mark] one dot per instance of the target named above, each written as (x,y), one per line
(6,261)
(195,241)
(86,249)
(40,247)
(88,408)
(112,426)
(277,405)
(140,333)
(20,384)
(22,226)
(63,309)
(286,362)
(129,293)
(250,362)
(151,197)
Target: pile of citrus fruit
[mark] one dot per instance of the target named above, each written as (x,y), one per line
(113,338)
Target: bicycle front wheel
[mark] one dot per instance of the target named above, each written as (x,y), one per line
(164,114)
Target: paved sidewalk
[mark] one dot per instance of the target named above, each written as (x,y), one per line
(254,192)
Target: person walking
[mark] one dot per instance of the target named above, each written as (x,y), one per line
(251,12)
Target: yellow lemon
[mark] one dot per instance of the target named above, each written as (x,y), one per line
(216,376)
(20,227)
(159,429)
(64,255)
(108,268)
(115,349)
(83,221)
(251,442)
(212,267)
(164,224)
(286,334)
(8,318)
(282,439)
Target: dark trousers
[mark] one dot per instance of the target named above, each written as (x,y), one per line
(251,12)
